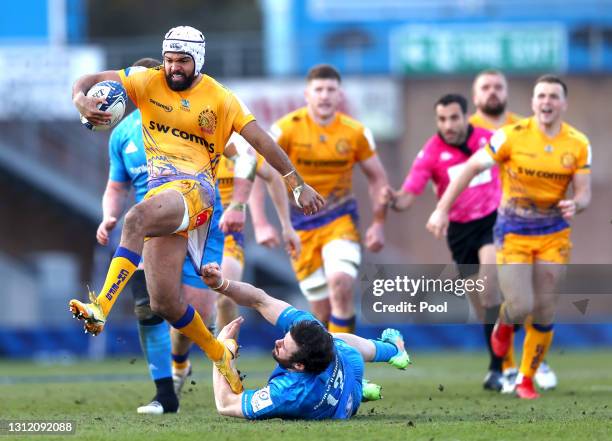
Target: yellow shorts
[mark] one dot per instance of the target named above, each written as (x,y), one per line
(518,248)
(311,258)
(234,246)
(198,199)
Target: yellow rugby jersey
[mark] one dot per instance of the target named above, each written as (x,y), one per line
(225,177)
(324,157)
(535,172)
(184,132)
(478,121)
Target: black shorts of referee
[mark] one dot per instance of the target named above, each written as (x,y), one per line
(466,239)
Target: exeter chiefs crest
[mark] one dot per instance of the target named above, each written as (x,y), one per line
(568,160)
(208,121)
(343,146)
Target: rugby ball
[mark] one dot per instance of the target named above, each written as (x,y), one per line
(116,102)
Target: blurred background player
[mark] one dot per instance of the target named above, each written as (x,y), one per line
(325,144)
(318,375)
(233,250)
(470,235)
(539,157)
(128,167)
(490,97)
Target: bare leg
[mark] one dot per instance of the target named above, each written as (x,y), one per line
(321,309)
(366,347)
(341,295)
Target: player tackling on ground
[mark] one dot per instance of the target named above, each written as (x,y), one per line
(318,375)
(538,157)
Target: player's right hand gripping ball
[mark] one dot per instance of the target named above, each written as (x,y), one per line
(116,102)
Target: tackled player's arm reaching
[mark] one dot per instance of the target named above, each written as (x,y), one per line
(88,106)
(305,196)
(244,294)
(227,402)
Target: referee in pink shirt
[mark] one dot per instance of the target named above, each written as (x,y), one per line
(473,215)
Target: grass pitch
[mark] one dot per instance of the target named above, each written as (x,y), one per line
(439,398)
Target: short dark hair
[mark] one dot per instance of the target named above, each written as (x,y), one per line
(552,79)
(315,346)
(450,98)
(323,72)
(147,62)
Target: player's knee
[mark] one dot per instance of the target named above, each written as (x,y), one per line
(518,311)
(134,219)
(341,286)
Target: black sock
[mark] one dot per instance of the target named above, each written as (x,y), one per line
(491,315)
(165,394)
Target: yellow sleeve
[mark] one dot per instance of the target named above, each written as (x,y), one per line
(281,135)
(238,114)
(583,165)
(366,147)
(132,79)
(499,147)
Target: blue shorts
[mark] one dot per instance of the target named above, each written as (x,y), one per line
(354,362)
(213,252)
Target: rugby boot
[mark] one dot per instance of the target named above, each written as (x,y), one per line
(226,365)
(90,313)
(401,360)
(501,338)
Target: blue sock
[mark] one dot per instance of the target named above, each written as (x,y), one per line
(155,342)
(385,351)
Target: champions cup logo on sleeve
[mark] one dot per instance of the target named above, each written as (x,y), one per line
(208,121)
(261,399)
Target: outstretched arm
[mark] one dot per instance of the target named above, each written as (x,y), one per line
(227,402)
(244,294)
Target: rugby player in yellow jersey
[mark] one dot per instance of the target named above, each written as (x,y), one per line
(490,97)
(233,249)
(539,157)
(325,144)
(187,119)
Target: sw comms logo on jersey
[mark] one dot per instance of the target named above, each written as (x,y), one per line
(207,119)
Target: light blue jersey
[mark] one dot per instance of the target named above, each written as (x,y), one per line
(128,163)
(334,393)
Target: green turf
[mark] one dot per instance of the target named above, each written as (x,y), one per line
(438,398)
